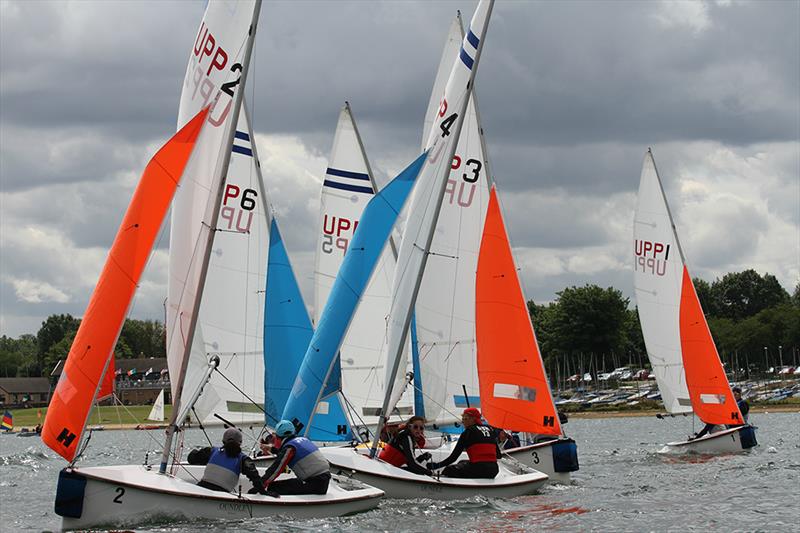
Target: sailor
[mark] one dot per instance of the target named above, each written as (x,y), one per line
(225,464)
(400,450)
(480,443)
(744,407)
(506,440)
(311,469)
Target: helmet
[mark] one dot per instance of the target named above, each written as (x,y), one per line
(284,428)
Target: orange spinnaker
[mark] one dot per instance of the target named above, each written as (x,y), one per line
(515,393)
(709,391)
(93,345)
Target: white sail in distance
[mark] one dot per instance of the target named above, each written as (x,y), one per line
(428,195)
(157,411)
(657,275)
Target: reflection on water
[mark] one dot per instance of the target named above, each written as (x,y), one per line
(624,484)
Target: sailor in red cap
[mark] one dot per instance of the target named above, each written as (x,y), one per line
(480,443)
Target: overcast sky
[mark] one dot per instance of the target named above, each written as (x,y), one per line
(571,95)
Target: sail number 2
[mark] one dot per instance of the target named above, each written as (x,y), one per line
(120,491)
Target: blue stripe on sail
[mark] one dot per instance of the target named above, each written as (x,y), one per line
(473,39)
(347,187)
(419,401)
(460,401)
(242,135)
(468,61)
(242,150)
(365,249)
(287,331)
(347,174)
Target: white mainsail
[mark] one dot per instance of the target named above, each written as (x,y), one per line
(346,190)
(231,319)
(445,308)
(428,195)
(658,265)
(157,412)
(217,65)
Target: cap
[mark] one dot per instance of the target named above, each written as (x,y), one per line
(473,412)
(232,435)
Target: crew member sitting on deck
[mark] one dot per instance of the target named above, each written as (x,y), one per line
(506,440)
(311,469)
(480,443)
(400,451)
(744,407)
(225,464)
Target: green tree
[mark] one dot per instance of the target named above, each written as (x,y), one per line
(743,294)
(52,332)
(590,319)
(144,338)
(706,296)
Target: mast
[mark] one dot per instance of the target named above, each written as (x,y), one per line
(407,312)
(666,204)
(226,158)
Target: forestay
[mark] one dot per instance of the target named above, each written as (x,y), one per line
(445,308)
(217,63)
(426,204)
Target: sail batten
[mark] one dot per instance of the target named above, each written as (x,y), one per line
(89,356)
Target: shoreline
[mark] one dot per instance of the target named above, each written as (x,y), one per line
(761,409)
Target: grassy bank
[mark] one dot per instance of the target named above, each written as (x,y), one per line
(106,414)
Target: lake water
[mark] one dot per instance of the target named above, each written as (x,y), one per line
(623,485)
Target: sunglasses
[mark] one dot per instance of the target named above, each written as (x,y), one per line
(417,426)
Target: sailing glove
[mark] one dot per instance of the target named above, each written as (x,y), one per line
(424,457)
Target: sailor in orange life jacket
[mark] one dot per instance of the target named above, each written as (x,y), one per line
(480,443)
(400,451)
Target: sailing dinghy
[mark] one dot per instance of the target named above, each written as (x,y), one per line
(448,326)
(430,171)
(197,158)
(682,352)
(157,412)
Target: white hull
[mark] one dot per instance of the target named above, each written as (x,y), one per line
(133,494)
(399,483)
(725,441)
(539,456)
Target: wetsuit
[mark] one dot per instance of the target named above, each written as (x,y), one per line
(310,467)
(400,452)
(222,472)
(480,443)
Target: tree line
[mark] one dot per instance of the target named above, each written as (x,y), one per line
(753,319)
(37,355)
(585,329)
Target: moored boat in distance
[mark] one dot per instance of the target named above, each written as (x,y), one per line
(685,361)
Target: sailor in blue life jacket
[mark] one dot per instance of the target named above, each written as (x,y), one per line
(744,407)
(225,464)
(312,470)
(480,443)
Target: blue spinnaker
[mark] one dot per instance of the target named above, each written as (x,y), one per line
(359,262)
(287,332)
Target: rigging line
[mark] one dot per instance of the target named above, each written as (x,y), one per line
(200,424)
(245,394)
(351,409)
(443,407)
